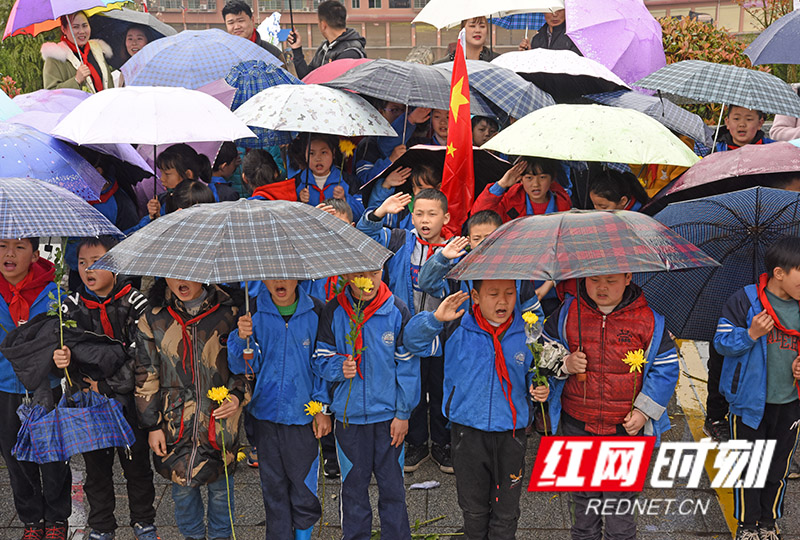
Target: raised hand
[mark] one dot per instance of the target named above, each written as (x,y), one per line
(448,309)
(455,248)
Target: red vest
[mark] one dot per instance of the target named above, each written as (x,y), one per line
(609,383)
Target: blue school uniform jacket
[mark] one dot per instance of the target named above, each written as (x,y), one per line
(401,220)
(473,395)
(304,179)
(8,379)
(391,384)
(282,361)
(743,381)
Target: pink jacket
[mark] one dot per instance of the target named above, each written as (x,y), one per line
(785,128)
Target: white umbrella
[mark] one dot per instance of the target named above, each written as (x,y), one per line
(315,109)
(557,63)
(445,13)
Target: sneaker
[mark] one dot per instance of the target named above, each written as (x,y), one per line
(719,430)
(97,535)
(743,533)
(33,531)
(794,468)
(415,455)
(769,533)
(331,468)
(441,455)
(252,458)
(145,532)
(56,531)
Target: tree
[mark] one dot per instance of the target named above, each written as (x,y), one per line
(19,55)
(766,12)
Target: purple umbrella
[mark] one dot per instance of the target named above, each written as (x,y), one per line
(620,34)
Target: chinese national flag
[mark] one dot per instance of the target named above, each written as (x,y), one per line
(458,178)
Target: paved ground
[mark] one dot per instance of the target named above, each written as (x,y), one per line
(544,516)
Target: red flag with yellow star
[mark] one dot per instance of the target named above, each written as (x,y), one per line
(458,178)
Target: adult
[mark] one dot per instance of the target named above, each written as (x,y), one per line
(136,37)
(552,34)
(340,41)
(239,22)
(786,128)
(77,61)
(476,31)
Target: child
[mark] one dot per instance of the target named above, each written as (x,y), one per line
(423,176)
(528,188)
(318,179)
(186,195)
(261,178)
(41,492)
(487,382)
(438,129)
(614,190)
(742,126)
(411,250)
(181,354)
(757,335)
(107,306)
(225,165)
(283,331)
(382,384)
(181,162)
(616,323)
(326,289)
(483,129)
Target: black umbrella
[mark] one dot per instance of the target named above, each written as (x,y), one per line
(112,26)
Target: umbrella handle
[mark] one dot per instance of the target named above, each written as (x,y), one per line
(716,132)
(247,353)
(581,377)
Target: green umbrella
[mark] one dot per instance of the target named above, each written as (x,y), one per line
(592,133)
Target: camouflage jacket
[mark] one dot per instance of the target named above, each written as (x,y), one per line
(175,368)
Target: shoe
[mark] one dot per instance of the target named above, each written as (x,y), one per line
(769,533)
(415,455)
(719,430)
(97,535)
(145,532)
(794,468)
(56,531)
(33,531)
(331,468)
(252,458)
(441,455)
(743,533)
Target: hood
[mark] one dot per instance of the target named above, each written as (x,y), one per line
(726,137)
(43,273)
(349,36)
(277,191)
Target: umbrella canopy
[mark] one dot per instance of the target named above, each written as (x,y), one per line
(249,78)
(112,26)
(315,109)
(31,208)
(36,16)
(331,70)
(444,13)
(523,21)
(7,107)
(620,34)
(696,81)
(27,152)
(150,115)
(576,244)
(563,74)
(416,85)
(510,92)
(245,240)
(777,43)
(592,133)
(734,228)
(675,118)
(191,59)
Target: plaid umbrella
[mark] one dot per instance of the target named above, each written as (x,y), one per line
(245,240)
(673,117)
(576,244)
(510,92)
(695,81)
(734,228)
(249,78)
(31,208)
(416,85)
(523,21)
(191,59)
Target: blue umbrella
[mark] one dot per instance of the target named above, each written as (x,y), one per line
(778,43)
(735,229)
(191,59)
(27,152)
(249,78)
(523,21)
(7,107)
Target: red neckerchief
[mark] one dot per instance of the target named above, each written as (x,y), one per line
(277,191)
(21,296)
(383,295)
(762,297)
(499,358)
(254,37)
(84,56)
(331,286)
(107,195)
(104,320)
(187,340)
(430,245)
(732,146)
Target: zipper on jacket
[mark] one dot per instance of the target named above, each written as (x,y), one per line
(199,399)
(283,364)
(602,364)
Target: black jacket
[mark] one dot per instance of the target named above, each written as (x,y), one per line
(558,41)
(348,45)
(270,48)
(487,55)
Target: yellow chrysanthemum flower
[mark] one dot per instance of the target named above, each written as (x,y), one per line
(635,359)
(241,456)
(313,408)
(346,147)
(218,394)
(530,317)
(364,284)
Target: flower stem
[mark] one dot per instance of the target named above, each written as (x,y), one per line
(544,418)
(227,481)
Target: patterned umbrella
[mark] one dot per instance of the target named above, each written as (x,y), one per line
(249,78)
(523,21)
(36,16)
(734,228)
(31,208)
(576,244)
(245,240)
(695,81)
(191,59)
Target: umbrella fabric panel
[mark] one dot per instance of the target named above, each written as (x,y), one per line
(112,27)
(522,21)
(445,13)
(777,44)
